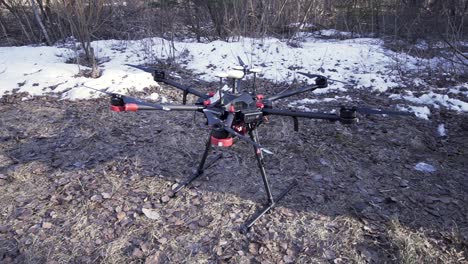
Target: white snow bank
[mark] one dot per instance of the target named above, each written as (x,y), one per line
(44,70)
(362,63)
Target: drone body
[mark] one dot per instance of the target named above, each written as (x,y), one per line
(237,114)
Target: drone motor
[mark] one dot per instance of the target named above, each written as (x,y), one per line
(159,75)
(117,103)
(348,115)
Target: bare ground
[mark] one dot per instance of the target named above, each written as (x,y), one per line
(75,177)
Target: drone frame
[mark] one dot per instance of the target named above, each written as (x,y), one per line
(221,121)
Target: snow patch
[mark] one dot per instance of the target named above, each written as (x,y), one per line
(422,112)
(441,130)
(425,167)
(361,63)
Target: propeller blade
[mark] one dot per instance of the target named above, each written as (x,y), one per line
(309,75)
(211,116)
(143,68)
(247,139)
(241,62)
(101,91)
(129,100)
(372,111)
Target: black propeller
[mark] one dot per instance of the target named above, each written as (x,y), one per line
(121,100)
(241,62)
(309,75)
(143,68)
(373,111)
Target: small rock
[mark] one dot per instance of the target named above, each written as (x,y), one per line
(3,228)
(194,225)
(151,213)
(424,167)
(153,259)
(106,195)
(3,182)
(284,245)
(369,255)
(145,247)
(318,177)
(404,183)
(96,198)
(47,225)
(162,240)
(121,216)
(390,199)
(288,259)
(253,248)
(165,199)
(329,254)
(137,253)
(204,222)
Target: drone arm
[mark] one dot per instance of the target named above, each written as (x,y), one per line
(295,114)
(291,93)
(184,88)
(149,107)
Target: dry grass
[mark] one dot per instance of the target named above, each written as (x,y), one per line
(83,155)
(417,246)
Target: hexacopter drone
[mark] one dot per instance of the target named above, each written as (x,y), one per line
(237,114)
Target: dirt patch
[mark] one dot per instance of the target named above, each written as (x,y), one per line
(75,178)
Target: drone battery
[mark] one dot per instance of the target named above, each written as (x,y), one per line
(251,117)
(159,75)
(222,142)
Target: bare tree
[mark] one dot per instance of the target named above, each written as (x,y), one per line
(39,22)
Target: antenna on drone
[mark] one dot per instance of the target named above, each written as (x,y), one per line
(247,70)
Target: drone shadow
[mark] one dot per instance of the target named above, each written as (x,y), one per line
(364,172)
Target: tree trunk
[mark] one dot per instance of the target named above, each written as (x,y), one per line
(39,22)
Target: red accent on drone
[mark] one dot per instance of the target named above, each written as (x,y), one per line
(222,142)
(240,128)
(260,97)
(232,109)
(260,105)
(131,107)
(211,94)
(117,108)
(206,102)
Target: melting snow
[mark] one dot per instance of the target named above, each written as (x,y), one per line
(438,100)
(420,111)
(424,167)
(441,130)
(46,70)
(361,63)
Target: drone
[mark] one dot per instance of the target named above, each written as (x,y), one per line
(236,113)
